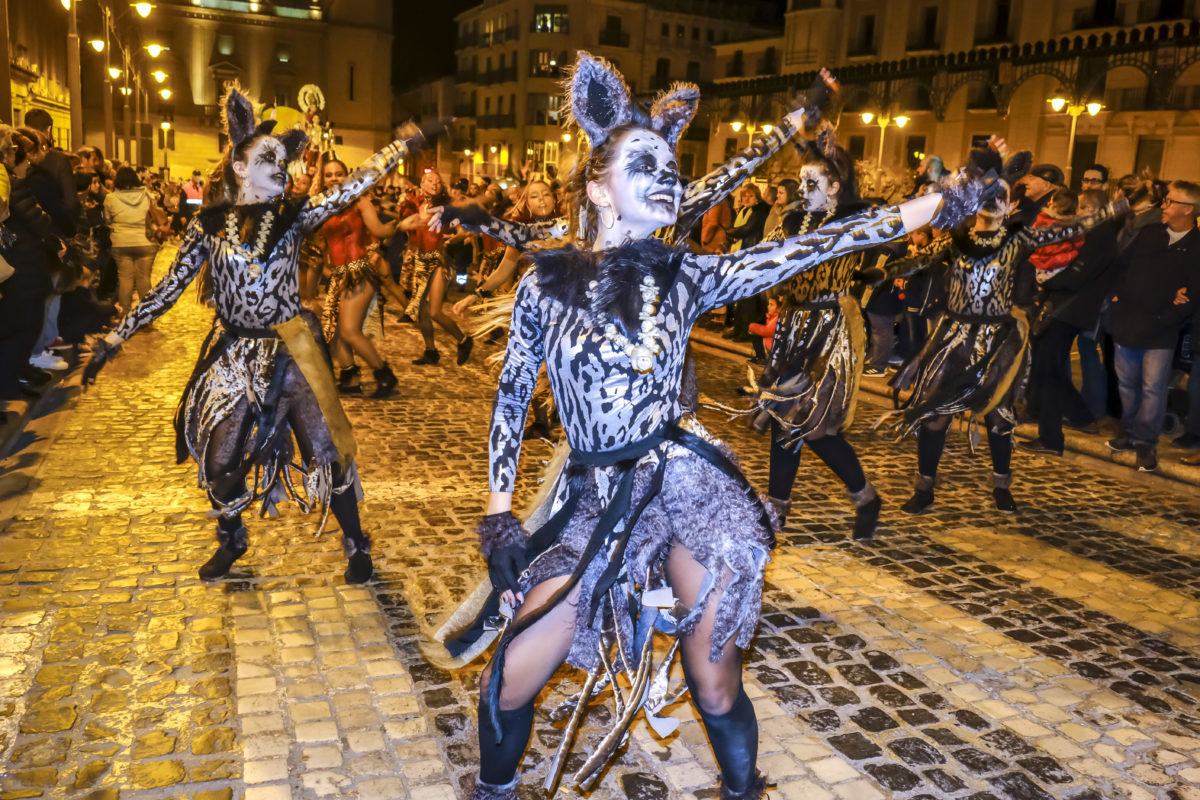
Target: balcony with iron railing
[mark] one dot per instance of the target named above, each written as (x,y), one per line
(500,75)
(561,25)
(492,121)
(610,38)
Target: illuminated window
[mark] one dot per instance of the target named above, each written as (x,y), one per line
(225,44)
(283,52)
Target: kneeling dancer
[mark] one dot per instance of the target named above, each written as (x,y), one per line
(264,373)
(646,508)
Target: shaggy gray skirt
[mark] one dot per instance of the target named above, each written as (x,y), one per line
(698,507)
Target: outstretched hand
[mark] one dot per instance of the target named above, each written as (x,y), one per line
(102,353)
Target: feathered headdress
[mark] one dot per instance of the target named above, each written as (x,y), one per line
(599,101)
(237,115)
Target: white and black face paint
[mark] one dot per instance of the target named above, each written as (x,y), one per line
(644,184)
(993,213)
(815,189)
(263,174)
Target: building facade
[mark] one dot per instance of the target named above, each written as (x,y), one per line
(271,48)
(37,64)
(512,55)
(960,70)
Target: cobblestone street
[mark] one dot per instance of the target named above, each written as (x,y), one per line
(966,655)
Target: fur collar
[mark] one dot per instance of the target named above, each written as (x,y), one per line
(286,210)
(565,272)
(967,246)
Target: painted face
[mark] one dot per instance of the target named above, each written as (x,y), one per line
(993,213)
(263,173)
(643,183)
(333,174)
(431,184)
(539,199)
(816,189)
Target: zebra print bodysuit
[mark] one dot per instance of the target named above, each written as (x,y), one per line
(263,374)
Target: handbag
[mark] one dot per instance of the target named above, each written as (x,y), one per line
(157,225)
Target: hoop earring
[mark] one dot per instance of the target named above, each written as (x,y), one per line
(608,222)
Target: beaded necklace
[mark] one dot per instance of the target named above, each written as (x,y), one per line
(987,239)
(641,355)
(261,237)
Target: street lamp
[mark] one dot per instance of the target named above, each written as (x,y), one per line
(143,9)
(97,45)
(155,50)
(736,125)
(114,72)
(1074,108)
(159,76)
(883,119)
(867,117)
(165,93)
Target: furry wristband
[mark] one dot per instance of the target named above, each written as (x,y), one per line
(499,530)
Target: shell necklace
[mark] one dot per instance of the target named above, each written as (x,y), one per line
(987,238)
(260,240)
(811,216)
(641,355)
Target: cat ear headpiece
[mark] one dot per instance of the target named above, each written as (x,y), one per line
(599,101)
(237,113)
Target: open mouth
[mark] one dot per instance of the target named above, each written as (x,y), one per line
(666,198)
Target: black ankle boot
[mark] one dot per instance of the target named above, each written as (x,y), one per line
(348,381)
(231,547)
(1002,493)
(922,497)
(867,504)
(782,508)
(360,569)
(429,357)
(755,791)
(464,349)
(385,381)
(492,791)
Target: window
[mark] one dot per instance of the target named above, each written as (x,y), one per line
(662,73)
(924,36)
(666,30)
(735,69)
(980,140)
(554,109)
(542,64)
(864,41)
(693,71)
(1149,156)
(680,31)
(712,36)
(225,44)
(283,52)
(914,150)
(695,34)
(350,88)
(487,105)
(731,146)
(549,19)
(857,147)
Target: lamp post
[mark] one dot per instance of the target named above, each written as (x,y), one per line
(1074,108)
(883,120)
(74,92)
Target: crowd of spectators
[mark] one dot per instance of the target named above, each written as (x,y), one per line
(78,234)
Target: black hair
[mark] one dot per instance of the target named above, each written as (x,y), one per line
(1103,170)
(126,179)
(39,119)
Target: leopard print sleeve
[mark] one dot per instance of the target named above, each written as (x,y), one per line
(703,193)
(193,252)
(921,259)
(722,279)
(522,360)
(519,235)
(323,206)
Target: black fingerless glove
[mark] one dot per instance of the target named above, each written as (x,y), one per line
(502,543)
(102,353)
(871,276)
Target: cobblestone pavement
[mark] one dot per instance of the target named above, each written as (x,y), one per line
(1052,654)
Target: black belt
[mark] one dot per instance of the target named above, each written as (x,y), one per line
(242,332)
(604,535)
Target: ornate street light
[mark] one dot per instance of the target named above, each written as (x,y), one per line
(155,50)
(1074,108)
(165,93)
(143,9)
(159,76)
(736,125)
(114,72)
(97,45)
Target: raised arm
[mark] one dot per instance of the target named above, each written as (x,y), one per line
(192,254)
(917,261)
(725,278)
(517,235)
(323,206)
(703,193)
(518,377)
(1033,238)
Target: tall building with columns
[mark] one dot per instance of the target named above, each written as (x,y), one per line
(272,47)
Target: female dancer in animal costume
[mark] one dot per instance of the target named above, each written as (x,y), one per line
(646,506)
(263,378)
(809,387)
(975,357)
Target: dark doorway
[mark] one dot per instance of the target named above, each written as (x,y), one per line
(1083,157)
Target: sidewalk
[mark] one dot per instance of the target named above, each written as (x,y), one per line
(1082,448)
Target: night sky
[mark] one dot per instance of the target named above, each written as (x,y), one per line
(425,34)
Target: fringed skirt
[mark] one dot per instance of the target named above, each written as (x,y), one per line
(345,278)
(425,264)
(257,399)
(698,507)
(810,386)
(969,363)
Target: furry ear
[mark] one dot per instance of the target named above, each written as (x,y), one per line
(673,110)
(1017,167)
(294,141)
(983,160)
(238,113)
(597,98)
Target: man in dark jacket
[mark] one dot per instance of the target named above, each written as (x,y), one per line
(1070,301)
(1155,296)
(56,163)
